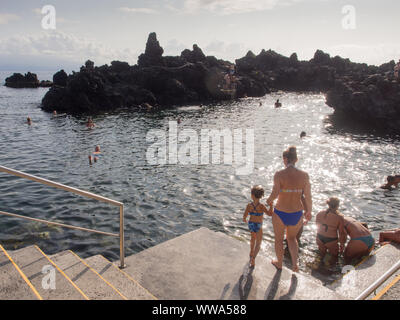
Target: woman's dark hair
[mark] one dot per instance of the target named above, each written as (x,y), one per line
(290,154)
(257,191)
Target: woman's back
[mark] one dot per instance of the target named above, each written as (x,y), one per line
(328,223)
(292,183)
(354,228)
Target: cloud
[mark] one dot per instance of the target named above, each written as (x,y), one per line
(62,47)
(8,17)
(138,10)
(228,7)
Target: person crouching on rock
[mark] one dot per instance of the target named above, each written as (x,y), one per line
(330,230)
(391,181)
(256,211)
(361,241)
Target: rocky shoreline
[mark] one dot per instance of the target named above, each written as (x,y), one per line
(362,92)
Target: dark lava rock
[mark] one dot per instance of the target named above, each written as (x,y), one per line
(17,80)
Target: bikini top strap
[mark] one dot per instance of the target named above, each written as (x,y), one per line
(255,206)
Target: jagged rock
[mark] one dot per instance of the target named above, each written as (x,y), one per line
(196,55)
(60,78)
(153,53)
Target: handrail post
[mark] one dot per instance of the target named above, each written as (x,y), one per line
(121,237)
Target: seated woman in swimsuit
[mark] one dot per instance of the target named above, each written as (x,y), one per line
(330,223)
(388,236)
(361,241)
(290,185)
(256,211)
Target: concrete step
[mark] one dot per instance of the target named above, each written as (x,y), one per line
(203,265)
(14,285)
(391,291)
(130,288)
(92,284)
(39,269)
(352,284)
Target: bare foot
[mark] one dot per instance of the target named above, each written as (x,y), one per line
(276,264)
(295,269)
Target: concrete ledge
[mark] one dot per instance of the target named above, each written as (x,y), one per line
(203,265)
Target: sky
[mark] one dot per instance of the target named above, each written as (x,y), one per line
(107,30)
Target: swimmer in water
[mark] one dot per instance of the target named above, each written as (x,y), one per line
(389,236)
(391,181)
(54,113)
(302,134)
(29,121)
(256,211)
(278,104)
(90,123)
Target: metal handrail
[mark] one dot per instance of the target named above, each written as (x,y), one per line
(79,192)
(379,281)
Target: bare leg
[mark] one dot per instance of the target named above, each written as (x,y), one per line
(252,244)
(279,230)
(293,244)
(258,243)
(322,248)
(355,249)
(333,249)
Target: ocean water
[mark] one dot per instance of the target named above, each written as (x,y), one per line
(167,200)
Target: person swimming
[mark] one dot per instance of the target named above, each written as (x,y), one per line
(303,134)
(290,185)
(389,236)
(361,241)
(278,104)
(330,230)
(256,211)
(90,123)
(29,121)
(391,181)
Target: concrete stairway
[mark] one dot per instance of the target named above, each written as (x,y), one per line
(28,273)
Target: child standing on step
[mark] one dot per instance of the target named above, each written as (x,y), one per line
(256,211)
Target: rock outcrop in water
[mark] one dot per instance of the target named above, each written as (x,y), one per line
(362,92)
(29,80)
(156,80)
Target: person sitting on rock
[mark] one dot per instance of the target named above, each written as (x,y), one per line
(361,241)
(389,236)
(330,230)
(391,181)
(278,104)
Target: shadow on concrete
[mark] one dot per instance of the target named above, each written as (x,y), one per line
(272,289)
(224,291)
(292,289)
(245,283)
